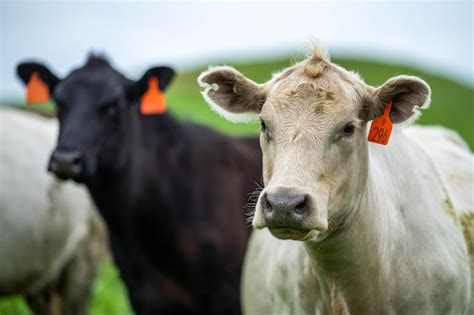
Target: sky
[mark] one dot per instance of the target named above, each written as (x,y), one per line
(435,36)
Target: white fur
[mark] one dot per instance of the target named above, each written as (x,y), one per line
(42,221)
(453,159)
(394,243)
(401,253)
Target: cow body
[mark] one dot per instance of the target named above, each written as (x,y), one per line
(51,238)
(404,253)
(171,193)
(177,232)
(347,225)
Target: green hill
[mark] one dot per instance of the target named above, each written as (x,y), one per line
(452,106)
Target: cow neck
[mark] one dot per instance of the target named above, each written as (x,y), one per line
(150,148)
(367,253)
(146,145)
(136,192)
(151,139)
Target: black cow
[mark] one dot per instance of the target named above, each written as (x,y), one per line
(172,193)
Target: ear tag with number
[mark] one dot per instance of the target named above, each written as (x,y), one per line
(153,100)
(36,90)
(381,127)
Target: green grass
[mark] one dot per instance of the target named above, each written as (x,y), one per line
(13,306)
(109,296)
(452,106)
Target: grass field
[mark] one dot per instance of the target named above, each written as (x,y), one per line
(452,106)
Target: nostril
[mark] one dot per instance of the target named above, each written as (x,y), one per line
(301,205)
(64,160)
(300,208)
(76,160)
(268,205)
(52,165)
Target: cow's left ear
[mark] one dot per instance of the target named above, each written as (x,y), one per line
(26,69)
(408,93)
(39,81)
(164,76)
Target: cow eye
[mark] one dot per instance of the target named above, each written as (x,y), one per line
(349,129)
(264,130)
(263,127)
(109,109)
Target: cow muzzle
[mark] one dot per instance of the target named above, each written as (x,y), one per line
(289,214)
(66,164)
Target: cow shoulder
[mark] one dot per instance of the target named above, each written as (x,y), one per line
(453,161)
(455,165)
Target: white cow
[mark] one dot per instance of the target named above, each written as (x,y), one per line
(344,225)
(51,238)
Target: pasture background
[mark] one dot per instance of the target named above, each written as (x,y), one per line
(377,39)
(451,106)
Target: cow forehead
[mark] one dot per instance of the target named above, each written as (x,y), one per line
(99,74)
(298,95)
(102,86)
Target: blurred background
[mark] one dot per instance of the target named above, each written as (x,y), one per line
(432,40)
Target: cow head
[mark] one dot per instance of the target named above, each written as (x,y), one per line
(313,136)
(93,104)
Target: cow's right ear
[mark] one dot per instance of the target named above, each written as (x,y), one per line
(40,82)
(149,90)
(163,75)
(231,94)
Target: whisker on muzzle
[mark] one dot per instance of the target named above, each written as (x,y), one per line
(252,203)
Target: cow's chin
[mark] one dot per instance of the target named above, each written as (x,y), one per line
(285,233)
(65,177)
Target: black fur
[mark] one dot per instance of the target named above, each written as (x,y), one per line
(26,69)
(172,193)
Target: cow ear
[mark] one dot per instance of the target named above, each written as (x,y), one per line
(164,76)
(407,94)
(40,82)
(148,91)
(231,94)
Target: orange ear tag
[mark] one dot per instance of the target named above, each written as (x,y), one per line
(36,90)
(153,100)
(381,127)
